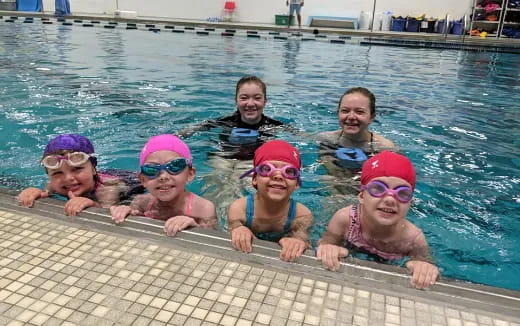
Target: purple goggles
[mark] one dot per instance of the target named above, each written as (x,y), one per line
(379,189)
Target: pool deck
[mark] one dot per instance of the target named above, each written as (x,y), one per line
(333,35)
(85,270)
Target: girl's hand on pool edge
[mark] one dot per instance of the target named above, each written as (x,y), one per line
(28,196)
(424,274)
(292,248)
(76,204)
(242,238)
(330,255)
(120,212)
(178,223)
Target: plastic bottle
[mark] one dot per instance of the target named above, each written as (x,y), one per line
(386,21)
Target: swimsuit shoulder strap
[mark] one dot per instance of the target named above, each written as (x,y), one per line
(290,215)
(250,208)
(354,217)
(372,149)
(187,212)
(417,234)
(149,209)
(151,204)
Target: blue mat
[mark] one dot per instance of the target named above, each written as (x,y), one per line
(62,8)
(30,5)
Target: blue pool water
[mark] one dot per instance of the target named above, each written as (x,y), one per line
(456,114)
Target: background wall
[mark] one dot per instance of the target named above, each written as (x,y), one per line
(263,11)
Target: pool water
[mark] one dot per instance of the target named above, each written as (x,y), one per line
(455,114)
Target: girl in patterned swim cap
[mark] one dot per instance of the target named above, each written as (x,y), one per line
(70,163)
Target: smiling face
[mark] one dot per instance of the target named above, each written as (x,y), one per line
(385,210)
(250,100)
(354,114)
(276,187)
(78,179)
(166,186)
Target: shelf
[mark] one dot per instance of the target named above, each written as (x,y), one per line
(511,23)
(485,21)
(477,36)
(497,9)
(513,9)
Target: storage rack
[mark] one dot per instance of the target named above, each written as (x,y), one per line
(511,17)
(480,22)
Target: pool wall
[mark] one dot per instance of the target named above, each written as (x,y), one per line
(265,11)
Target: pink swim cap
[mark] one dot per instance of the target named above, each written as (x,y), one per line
(164,142)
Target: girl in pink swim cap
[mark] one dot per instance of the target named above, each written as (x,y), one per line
(378,224)
(165,169)
(70,163)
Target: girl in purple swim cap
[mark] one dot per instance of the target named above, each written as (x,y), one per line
(70,163)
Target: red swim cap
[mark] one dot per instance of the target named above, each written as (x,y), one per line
(388,164)
(278,150)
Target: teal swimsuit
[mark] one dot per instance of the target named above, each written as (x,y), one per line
(270,236)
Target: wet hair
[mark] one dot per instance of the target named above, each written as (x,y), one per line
(251,79)
(362,91)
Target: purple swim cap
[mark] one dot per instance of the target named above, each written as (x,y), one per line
(70,142)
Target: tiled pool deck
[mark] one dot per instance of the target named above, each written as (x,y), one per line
(85,270)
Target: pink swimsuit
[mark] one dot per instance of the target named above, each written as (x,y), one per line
(152,213)
(356,239)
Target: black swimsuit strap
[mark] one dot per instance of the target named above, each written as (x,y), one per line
(372,150)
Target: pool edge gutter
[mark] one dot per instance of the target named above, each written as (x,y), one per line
(364,274)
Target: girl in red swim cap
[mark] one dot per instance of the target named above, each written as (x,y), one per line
(378,224)
(270,214)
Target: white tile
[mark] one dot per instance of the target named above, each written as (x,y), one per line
(199,313)
(164,316)
(296,316)
(454,322)
(228,321)
(213,317)
(263,318)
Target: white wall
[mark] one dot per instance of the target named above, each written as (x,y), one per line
(263,11)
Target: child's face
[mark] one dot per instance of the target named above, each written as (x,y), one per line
(250,102)
(385,210)
(354,114)
(78,179)
(166,186)
(275,186)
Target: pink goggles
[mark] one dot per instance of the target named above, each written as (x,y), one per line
(379,189)
(266,169)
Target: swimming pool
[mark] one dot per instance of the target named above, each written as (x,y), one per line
(456,115)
